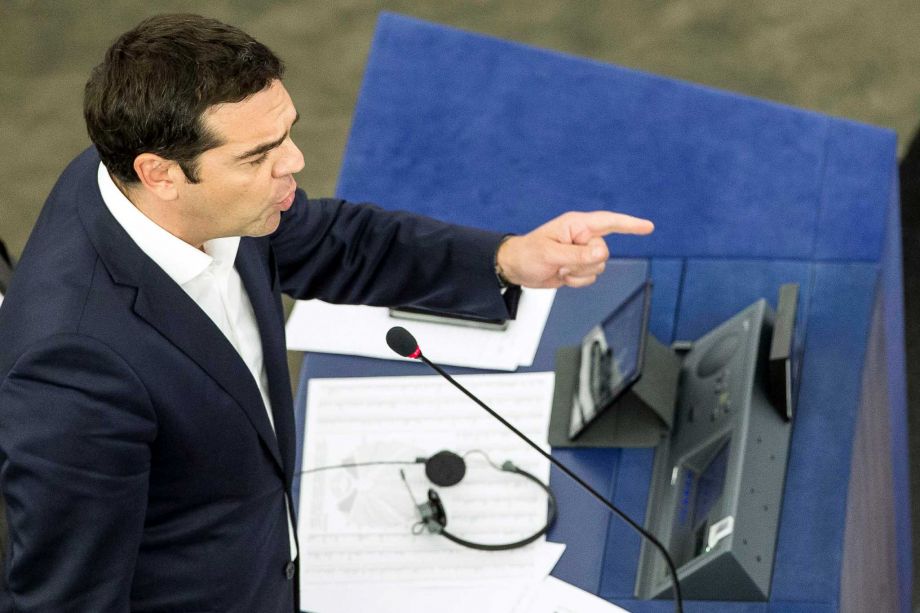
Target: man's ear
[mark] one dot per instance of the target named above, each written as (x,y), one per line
(158,175)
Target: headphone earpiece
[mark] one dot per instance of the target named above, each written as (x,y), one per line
(445,468)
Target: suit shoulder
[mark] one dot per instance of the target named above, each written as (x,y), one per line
(47,301)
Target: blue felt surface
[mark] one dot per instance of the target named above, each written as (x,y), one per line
(745,194)
(690,606)
(801,607)
(857,191)
(582,522)
(667,285)
(472,129)
(630,494)
(714,290)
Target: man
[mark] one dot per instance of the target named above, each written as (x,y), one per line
(146,424)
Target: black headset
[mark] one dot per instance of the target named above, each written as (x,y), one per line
(447,469)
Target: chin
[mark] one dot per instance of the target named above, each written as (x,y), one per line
(271,224)
(264,229)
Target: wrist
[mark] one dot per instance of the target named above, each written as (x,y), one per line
(500,263)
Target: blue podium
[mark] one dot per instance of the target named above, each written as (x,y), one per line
(746,195)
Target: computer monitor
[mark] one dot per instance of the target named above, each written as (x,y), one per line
(717,484)
(611,358)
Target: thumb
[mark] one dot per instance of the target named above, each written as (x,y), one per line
(576,256)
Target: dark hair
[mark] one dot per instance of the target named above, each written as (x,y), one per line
(156,81)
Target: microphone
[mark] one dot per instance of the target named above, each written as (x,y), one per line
(403,343)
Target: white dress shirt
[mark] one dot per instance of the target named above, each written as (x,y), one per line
(208,277)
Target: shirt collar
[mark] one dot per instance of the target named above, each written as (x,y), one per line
(181,261)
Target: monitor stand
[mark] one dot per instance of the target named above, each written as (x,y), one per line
(641,417)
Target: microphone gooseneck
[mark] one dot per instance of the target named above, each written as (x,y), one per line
(402,342)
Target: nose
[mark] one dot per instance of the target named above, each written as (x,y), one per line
(290,161)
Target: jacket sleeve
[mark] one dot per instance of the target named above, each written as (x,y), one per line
(75,427)
(349,253)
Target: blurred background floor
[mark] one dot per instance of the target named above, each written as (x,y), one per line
(848,58)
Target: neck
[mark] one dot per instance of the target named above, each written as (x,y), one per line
(163,214)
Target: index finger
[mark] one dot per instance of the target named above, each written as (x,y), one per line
(601,223)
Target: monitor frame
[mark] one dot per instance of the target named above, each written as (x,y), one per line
(579,419)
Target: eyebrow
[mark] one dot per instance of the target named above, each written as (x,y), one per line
(260,149)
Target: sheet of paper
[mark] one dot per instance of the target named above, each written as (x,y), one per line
(355,524)
(485,596)
(361,330)
(555,596)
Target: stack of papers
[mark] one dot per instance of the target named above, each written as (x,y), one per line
(361,330)
(359,552)
(554,596)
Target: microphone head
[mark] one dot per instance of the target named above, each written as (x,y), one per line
(402,342)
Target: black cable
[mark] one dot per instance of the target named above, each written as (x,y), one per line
(356,464)
(551,517)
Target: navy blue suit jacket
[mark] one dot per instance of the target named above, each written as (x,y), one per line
(137,460)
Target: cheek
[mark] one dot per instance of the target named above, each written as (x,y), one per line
(258,186)
(243,193)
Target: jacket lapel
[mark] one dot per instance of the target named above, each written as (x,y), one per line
(168,309)
(257,271)
(176,316)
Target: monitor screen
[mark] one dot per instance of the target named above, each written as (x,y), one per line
(611,359)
